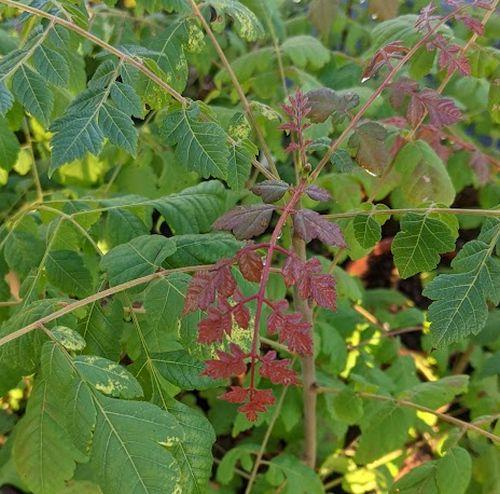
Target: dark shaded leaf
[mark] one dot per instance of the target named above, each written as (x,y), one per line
(270,190)
(309,224)
(246,221)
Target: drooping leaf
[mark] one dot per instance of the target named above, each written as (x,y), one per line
(309,224)
(384,428)
(424,177)
(325,102)
(182,370)
(435,394)
(298,477)
(459,306)
(246,221)
(417,246)
(101,327)
(271,190)
(141,256)
(194,452)
(6,100)
(130,438)
(240,162)
(45,457)
(163,302)
(372,152)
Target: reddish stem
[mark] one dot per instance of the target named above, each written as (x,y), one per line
(261,299)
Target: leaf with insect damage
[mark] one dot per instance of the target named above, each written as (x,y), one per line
(246,221)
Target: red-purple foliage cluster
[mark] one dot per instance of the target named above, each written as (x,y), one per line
(215,291)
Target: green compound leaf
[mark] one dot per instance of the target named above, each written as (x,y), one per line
(460,298)
(141,256)
(200,145)
(290,469)
(417,246)
(449,474)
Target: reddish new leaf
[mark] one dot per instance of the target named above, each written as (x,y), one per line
(311,283)
(204,286)
(473,24)
(212,328)
(442,111)
(426,17)
(278,371)
(435,138)
(309,224)
(228,364)
(371,151)
(452,59)
(293,269)
(322,290)
(393,50)
(317,193)
(250,264)
(237,394)
(400,89)
(481,166)
(241,315)
(259,401)
(246,221)
(270,190)
(277,319)
(296,334)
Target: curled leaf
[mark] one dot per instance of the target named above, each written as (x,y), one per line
(270,190)
(317,193)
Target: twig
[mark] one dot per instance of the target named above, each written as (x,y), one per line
(237,87)
(138,64)
(308,369)
(97,296)
(356,118)
(409,404)
(267,435)
(450,73)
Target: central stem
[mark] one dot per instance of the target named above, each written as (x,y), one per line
(261,294)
